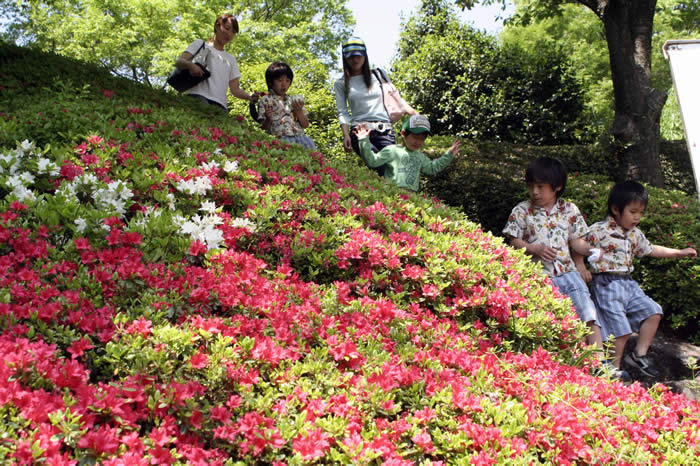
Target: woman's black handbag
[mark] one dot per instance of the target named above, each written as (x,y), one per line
(181,80)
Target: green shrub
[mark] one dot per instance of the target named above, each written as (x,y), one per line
(488,179)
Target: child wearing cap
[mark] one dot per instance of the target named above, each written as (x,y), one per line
(358,99)
(405,163)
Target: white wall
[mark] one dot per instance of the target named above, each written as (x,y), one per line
(684,57)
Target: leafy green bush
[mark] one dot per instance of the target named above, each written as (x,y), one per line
(473,87)
(488,179)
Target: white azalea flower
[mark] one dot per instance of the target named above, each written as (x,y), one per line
(231,166)
(27,178)
(26,146)
(185,186)
(81,224)
(14,181)
(213,165)
(7,158)
(23,194)
(202,185)
(189,228)
(208,207)
(47,167)
(244,223)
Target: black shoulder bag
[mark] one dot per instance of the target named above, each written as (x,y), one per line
(181,80)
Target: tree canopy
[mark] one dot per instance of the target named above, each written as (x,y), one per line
(472,86)
(581,35)
(628,27)
(141,38)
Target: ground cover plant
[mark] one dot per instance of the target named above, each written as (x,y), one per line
(178,288)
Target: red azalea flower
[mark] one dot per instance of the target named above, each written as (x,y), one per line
(79,347)
(314,445)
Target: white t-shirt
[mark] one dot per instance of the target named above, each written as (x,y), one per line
(223,68)
(365,104)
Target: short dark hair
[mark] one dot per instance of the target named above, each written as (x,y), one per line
(547,170)
(623,193)
(277,70)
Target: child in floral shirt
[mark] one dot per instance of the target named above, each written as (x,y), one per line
(622,305)
(546,226)
(283,115)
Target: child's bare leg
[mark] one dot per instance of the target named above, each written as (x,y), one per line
(595,338)
(620,343)
(646,334)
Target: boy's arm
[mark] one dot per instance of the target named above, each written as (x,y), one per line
(581,266)
(372,159)
(542,251)
(298,109)
(432,167)
(580,246)
(671,253)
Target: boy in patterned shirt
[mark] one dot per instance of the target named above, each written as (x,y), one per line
(622,305)
(546,226)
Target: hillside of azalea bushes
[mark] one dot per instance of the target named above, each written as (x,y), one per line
(178,288)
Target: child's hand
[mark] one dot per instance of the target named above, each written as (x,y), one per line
(454,149)
(584,272)
(544,252)
(361,132)
(254,97)
(689,252)
(298,105)
(268,112)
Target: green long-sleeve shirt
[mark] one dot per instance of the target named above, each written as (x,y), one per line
(402,165)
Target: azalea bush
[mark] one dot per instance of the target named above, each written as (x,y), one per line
(176,287)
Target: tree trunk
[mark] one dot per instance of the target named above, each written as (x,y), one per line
(628,30)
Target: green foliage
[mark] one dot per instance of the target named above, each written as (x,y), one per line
(140,39)
(580,34)
(473,87)
(499,170)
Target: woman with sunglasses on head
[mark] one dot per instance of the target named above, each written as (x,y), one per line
(358,98)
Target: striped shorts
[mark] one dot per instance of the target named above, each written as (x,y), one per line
(622,305)
(572,285)
(302,140)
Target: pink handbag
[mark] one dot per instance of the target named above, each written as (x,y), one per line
(394,104)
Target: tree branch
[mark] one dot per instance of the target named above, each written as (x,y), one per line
(597,6)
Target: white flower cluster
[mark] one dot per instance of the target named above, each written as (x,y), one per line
(199,185)
(16,169)
(231,166)
(243,223)
(204,229)
(112,198)
(211,166)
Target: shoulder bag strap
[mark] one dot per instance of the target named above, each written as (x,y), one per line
(383,75)
(377,72)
